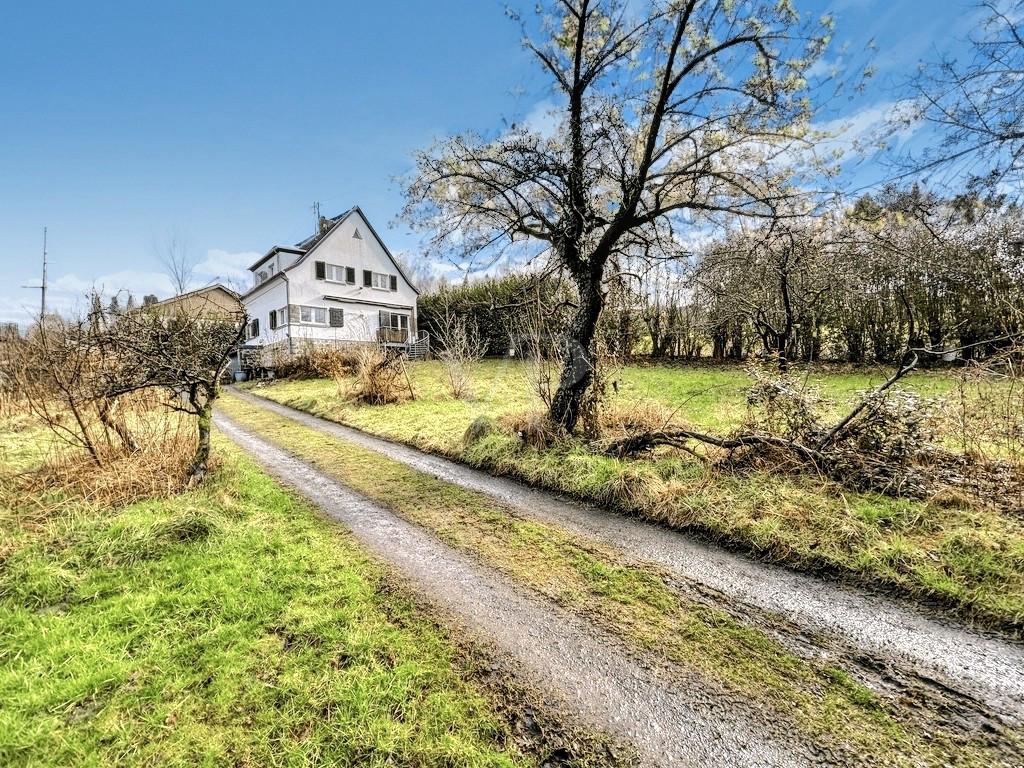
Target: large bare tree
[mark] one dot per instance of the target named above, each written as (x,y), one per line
(690,111)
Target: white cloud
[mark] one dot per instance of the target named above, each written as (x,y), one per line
(224,266)
(864,131)
(543,118)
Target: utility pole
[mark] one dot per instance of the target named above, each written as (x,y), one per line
(42,311)
(316,218)
(42,314)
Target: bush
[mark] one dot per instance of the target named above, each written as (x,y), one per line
(319,363)
(381,378)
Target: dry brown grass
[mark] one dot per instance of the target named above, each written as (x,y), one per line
(533,429)
(381,379)
(319,363)
(115,474)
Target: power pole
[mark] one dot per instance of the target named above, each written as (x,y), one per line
(316,218)
(42,315)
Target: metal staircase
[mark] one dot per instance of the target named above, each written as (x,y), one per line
(419,347)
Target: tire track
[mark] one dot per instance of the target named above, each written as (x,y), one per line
(671,719)
(894,643)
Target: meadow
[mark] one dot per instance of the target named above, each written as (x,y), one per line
(952,551)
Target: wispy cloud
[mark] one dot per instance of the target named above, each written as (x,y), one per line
(66,293)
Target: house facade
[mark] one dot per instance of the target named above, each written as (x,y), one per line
(341,286)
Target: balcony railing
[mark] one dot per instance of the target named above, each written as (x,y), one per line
(392,335)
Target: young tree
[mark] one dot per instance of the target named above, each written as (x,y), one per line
(177,254)
(691,110)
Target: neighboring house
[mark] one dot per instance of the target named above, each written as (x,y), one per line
(214,301)
(340,287)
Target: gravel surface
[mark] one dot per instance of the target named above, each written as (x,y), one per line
(669,719)
(893,640)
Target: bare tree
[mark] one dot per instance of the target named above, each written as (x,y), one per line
(691,110)
(460,348)
(75,368)
(178,255)
(977,104)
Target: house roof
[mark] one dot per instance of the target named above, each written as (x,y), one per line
(311,243)
(198,292)
(203,300)
(276,249)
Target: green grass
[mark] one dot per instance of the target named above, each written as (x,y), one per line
(632,601)
(230,625)
(967,557)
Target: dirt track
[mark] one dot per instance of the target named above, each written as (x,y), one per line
(973,676)
(670,720)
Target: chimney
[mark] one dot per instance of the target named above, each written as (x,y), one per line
(325,224)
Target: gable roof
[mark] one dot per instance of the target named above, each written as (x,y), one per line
(203,301)
(310,244)
(272,251)
(198,292)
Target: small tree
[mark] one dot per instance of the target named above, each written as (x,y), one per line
(461,347)
(183,351)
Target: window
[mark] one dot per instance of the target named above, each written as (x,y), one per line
(334,273)
(394,321)
(380,280)
(254,328)
(278,318)
(315,315)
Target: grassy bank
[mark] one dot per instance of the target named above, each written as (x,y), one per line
(636,603)
(230,625)
(961,555)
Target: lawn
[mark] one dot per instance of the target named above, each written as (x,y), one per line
(229,625)
(639,604)
(966,556)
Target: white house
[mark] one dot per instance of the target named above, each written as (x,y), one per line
(341,286)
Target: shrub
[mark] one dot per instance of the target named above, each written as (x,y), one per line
(381,378)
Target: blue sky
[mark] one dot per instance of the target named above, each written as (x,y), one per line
(225,121)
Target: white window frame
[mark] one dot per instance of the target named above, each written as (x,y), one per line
(338,270)
(280,319)
(303,308)
(399,327)
(384,279)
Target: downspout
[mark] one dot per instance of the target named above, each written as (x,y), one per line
(288,311)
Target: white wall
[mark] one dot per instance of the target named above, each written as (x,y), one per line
(342,249)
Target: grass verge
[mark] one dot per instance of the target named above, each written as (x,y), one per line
(951,552)
(636,603)
(230,625)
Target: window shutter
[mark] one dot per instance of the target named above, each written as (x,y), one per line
(367,278)
(385,319)
(293,313)
(350,275)
(337,318)
(321,270)
(256,327)
(394,283)
(273,319)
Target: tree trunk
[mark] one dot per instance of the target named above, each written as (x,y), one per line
(578,356)
(201,460)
